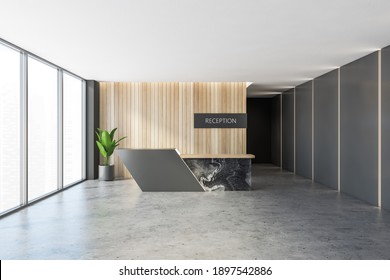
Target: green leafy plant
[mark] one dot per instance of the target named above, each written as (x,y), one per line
(106,143)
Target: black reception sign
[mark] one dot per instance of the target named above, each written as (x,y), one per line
(220,121)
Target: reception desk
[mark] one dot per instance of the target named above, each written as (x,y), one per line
(221,172)
(163,170)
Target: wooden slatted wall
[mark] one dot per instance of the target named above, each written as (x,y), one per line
(161,115)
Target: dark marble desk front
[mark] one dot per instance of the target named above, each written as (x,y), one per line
(222,174)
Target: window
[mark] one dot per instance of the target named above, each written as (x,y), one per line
(10,128)
(42,129)
(73,130)
(42,123)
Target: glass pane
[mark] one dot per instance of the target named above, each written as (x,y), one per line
(10,128)
(42,129)
(73,119)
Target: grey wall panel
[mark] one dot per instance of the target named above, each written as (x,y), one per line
(386,128)
(359,128)
(275,130)
(303,129)
(288,130)
(326,129)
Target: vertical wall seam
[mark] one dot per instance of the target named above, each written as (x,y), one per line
(294,134)
(84,130)
(312,131)
(281,130)
(380,128)
(338,131)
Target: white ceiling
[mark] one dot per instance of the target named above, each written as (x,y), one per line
(275,44)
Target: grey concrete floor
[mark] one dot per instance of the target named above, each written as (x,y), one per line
(285,217)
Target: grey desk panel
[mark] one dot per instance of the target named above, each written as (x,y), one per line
(159,170)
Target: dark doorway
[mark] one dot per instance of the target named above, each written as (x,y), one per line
(263,131)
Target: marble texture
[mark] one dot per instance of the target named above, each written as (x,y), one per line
(222,174)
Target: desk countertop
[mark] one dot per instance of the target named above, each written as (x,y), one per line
(217,156)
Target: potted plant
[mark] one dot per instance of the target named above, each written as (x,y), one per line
(106,145)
